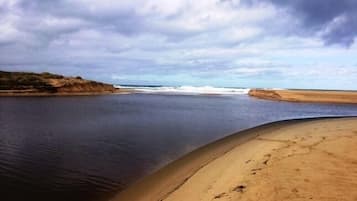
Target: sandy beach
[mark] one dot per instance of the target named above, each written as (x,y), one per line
(314,96)
(311,159)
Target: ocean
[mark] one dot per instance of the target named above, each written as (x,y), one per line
(88,148)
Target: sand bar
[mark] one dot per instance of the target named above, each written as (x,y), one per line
(312,159)
(314,96)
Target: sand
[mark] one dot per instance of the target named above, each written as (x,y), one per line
(312,159)
(318,96)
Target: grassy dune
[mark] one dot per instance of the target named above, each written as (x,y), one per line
(28,84)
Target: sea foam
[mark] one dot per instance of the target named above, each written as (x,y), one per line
(186,89)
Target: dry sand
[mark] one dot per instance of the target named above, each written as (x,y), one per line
(289,160)
(319,96)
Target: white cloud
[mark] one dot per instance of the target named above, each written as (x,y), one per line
(205,39)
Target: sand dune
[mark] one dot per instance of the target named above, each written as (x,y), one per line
(289,160)
(319,96)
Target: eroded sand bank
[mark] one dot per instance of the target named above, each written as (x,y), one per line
(289,160)
(313,96)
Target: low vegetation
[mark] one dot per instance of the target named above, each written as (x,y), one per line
(23,81)
(48,83)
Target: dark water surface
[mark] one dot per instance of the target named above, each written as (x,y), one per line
(87,148)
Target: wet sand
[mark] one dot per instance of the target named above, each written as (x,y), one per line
(314,96)
(311,159)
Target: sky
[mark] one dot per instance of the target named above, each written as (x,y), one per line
(232,43)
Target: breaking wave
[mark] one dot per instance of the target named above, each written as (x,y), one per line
(186,89)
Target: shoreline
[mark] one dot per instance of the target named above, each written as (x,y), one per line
(56,94)
(223,169)
(31,84)
(308,96)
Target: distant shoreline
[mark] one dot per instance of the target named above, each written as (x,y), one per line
(247,165)
(39,94)
(48,84)
(303,95)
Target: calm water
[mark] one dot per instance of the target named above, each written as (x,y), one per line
(86,148)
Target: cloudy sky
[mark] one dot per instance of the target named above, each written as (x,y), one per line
(248,43)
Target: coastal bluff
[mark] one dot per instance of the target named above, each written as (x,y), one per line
(47,84)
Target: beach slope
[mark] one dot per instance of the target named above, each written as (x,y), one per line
(314,96)
(312,159)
